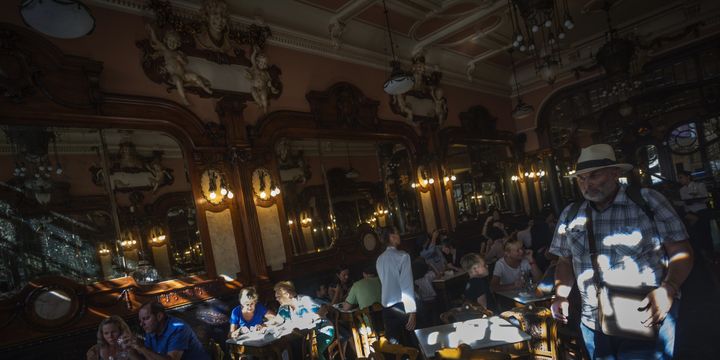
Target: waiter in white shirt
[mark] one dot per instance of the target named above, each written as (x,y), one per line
(693,194)
(398,293)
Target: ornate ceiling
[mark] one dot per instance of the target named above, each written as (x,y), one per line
(465,39)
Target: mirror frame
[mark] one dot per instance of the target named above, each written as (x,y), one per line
(477,127)
(340,113)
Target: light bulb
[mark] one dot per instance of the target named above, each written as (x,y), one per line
(519,37)
(413,185)
(561,36)
(223,191)
(535,28)
(569,24)
(548,23)
(277,190)
(432,181)
(213,196)
(230,195)
(527,173)
(453,177)
(446,179)
(523,47)
(263,195)
(424,182)
(290,222)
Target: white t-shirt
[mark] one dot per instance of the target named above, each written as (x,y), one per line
(508,274)
(525,237)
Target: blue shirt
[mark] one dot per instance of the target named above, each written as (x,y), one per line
(177,336)
(238,320)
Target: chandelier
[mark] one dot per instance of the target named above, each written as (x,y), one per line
(34,167)
(538,27)
(616,57)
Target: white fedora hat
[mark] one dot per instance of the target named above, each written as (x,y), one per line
(598,156)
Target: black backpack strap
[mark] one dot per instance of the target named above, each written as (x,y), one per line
(634,193)
(573,211)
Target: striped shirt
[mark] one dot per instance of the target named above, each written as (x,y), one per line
(628,242)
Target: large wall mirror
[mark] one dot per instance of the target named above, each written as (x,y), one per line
(93,204)
(478,169)
(333,188)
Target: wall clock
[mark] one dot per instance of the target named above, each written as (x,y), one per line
(52,306)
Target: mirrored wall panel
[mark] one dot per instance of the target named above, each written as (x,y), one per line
(94,204)
(477,170)
(331,188)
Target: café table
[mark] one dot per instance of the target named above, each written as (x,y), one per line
(525,298)
(269,344)
(450,286)
(475,333)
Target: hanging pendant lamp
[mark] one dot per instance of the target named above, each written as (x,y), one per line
(63,19)
(400,81)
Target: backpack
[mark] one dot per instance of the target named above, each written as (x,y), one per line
(632,191)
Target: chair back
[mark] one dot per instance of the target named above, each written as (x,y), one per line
(370,325)
(336,347)
(216,352)
(383,347)
(539,323)
(465,353)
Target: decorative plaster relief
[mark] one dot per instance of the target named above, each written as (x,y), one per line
(222,239)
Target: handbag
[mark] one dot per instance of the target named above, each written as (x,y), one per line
(619,308)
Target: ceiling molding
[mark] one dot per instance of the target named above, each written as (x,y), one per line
(321,46)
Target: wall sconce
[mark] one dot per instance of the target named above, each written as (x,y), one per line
(424,180)
(264,188)
(380,214)
(103,249)
(157,236)
(448,180)
(305,219)
(127,240)
(214,186)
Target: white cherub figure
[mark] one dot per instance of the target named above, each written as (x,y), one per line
(175,62)
(260,80)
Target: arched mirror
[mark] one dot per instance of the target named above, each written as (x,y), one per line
(333,188)
(478,169)
(93,204)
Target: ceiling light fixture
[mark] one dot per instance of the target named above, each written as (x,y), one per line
(63,19)
(521,109)
(538,27)
(400,81)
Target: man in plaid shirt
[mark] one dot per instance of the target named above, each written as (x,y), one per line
(631,246)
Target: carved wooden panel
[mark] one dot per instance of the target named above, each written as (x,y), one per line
(343,106)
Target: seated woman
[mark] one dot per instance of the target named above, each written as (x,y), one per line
(341,285)
(249,315)
(509,270)
(108,344)
(300,311)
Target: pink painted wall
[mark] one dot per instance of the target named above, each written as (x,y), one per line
(113,43)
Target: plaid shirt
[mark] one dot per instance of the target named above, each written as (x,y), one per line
(629,245)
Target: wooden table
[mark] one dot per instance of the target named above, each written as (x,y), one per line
(450,287)
(476,333)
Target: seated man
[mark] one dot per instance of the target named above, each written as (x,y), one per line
(364,292)
(166,337)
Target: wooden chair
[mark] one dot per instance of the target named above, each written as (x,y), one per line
(383,347)
(465,312)
(540,325)
(216,352)
(465,353)
(369,325)
(338,346)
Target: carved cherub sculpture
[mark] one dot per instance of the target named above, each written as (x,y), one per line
(260,80)
(175,62)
